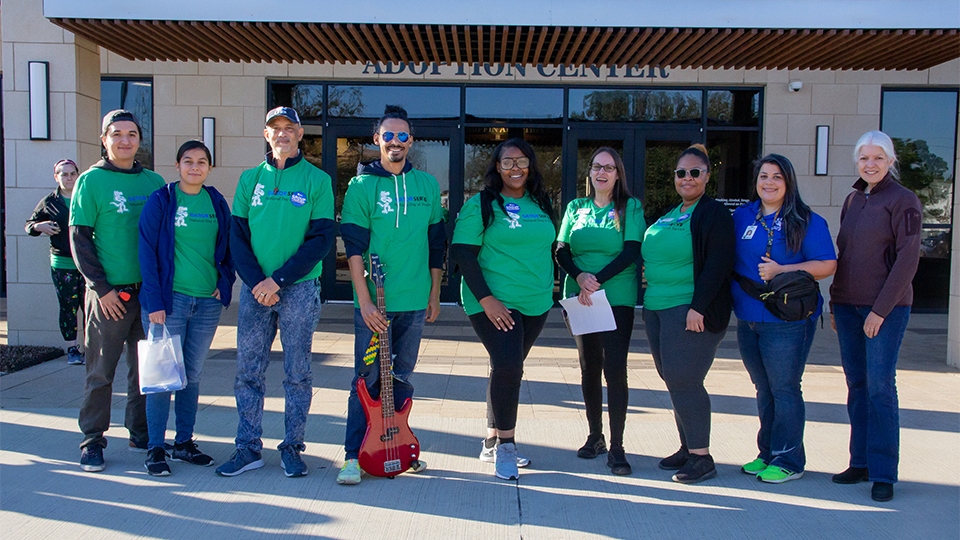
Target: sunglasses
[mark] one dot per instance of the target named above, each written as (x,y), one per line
(508,163)
(402,136)
(596,167)
(694,173)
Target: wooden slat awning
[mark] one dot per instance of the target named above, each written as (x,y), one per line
(753,48)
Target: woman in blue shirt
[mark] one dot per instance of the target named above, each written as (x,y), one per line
(188,278)
(776,232)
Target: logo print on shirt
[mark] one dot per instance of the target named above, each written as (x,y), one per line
(180,220)
(120,202)
(297,198)
(385,200)
(257,193)
(513,216)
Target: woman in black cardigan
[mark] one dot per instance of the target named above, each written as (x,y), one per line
(689,254)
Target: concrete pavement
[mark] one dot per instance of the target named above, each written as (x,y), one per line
(44,494)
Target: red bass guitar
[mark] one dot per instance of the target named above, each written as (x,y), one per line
(389,447)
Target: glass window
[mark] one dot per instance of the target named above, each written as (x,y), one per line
(517,104)
(732,154)
(369,101)
(136,96)
(306,98)
(675,106)
(923,126)
(733,108)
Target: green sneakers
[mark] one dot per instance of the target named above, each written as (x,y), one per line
(754,467)
(349,473)
(777,475)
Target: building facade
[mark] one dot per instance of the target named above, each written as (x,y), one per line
(207,78)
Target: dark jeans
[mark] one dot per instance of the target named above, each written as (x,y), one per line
(870,366)
(507,352)
(70,291)
(683,359)
(405,330)
(606,353)
(775,355)
(104,340)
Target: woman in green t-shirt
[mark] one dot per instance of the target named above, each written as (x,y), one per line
(688,256)
(503,244)
(598,246)
(51,218)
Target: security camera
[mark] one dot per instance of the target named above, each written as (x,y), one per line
(795,86)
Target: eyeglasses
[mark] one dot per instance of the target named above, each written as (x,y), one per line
(694,173)
(596,167)
(402,136)
(508,163)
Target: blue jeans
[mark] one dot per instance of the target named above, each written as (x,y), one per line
(405,330)
(296,316)
(195,320)
(870,366)
(775,355)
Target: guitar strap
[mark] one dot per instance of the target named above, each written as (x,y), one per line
(371,353)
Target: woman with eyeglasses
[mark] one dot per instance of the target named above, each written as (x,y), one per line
(688,257)
(878,250)
(776,233)
(503,245)
(598,246)
(50,218)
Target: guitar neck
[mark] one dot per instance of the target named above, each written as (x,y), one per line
(386,360)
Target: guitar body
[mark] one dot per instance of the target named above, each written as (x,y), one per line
(389,447)
(376,458)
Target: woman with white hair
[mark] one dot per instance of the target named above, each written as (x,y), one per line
(878,252)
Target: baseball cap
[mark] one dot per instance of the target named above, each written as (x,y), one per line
(286,112)
(119,115)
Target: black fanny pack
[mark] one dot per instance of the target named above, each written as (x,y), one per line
(790,296)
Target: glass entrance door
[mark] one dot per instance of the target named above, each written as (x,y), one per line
(431,152)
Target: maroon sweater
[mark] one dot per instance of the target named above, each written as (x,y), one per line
(878,247)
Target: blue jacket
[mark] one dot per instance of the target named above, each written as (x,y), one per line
(157,245)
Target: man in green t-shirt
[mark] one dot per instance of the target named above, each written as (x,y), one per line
(104,216)
(391,210)
(281,230)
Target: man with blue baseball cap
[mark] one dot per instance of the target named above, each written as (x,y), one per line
(282,229)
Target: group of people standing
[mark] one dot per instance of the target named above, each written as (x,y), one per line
(190,246)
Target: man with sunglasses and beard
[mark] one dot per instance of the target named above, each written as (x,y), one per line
(392,210)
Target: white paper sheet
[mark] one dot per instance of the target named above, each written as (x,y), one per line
(588,319)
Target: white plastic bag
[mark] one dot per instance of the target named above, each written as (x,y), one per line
(161,362)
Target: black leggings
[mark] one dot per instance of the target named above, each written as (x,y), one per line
(606,353)
(507,352)
(683,359)
(70,292)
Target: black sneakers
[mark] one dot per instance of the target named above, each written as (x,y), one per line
(617,461)
(594,446)
(882,491)
(675,461)
(189,453)
(156,463)
(853,475)
(91,458)
(697,469)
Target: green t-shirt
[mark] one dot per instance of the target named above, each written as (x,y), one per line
(111,202)
(195,231)
(668,260)
(514,255)
(278,205)
(397,212)
(595,240)
(59,262)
